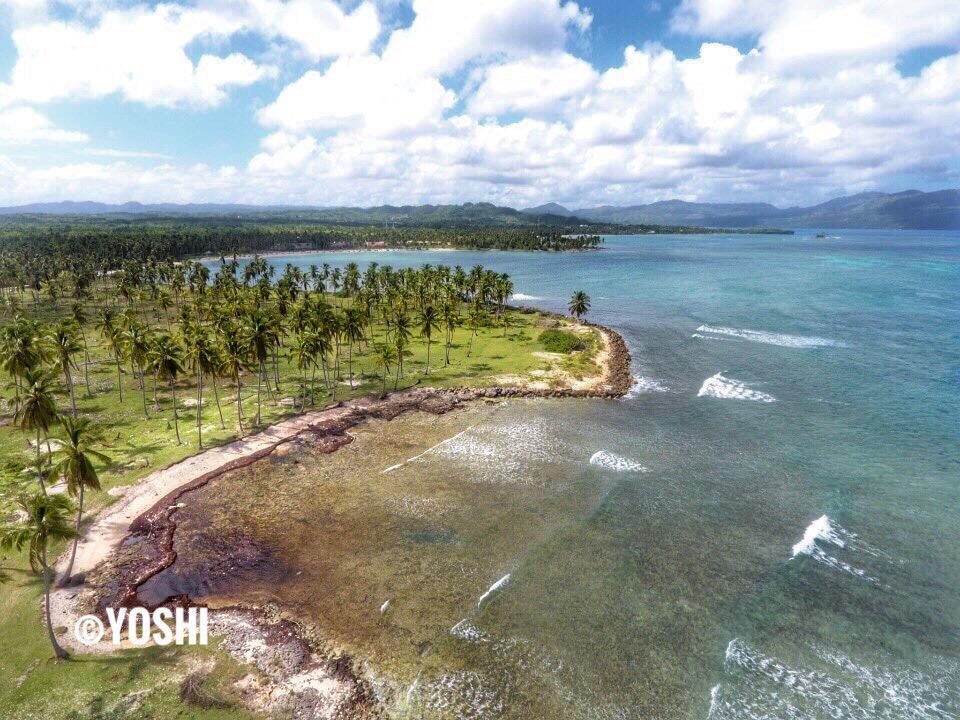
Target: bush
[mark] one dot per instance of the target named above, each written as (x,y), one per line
(560,341)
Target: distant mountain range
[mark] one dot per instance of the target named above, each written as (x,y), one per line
(910,209)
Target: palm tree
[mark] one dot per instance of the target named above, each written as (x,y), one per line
(579,304)
(234,356)
(261,336)
(80,318)
(384,359)
(202,357)
(352,327)
(451,316)
(38,411)
(112,334)
(47,521)
(138,340)
(76,466)
(428,322)
(65,343)
(167,359)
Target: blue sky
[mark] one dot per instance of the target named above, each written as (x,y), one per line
(512,101)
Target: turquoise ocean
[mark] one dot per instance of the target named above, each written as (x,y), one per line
(773,525)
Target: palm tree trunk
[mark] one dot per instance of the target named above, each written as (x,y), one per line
(119,378)
(259,383)
(86,363)
(216,396)
(236,377)
(43,487)
(76,540)
(176,421)
(143,394)
(57,649)
(199,407)
(69,381)
(428,354)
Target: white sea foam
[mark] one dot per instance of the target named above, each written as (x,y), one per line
(496,587)
(644,385)
(726,388)
(768,338)
(824,531)
(757,685)
(523,296)
(608,460)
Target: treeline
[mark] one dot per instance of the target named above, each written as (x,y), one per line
(37,249)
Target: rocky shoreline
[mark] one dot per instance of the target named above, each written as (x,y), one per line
(152,534)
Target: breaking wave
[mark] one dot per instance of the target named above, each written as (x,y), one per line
(757,686)
(608,460)
(726,388)
(768,338)
(823,531)
(523,296)
(643,385)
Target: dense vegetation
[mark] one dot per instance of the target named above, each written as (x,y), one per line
(560,341)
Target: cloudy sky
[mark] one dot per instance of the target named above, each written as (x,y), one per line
(512,101)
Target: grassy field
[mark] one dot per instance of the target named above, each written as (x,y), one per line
(146,683)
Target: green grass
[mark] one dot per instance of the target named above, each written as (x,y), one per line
(32,684)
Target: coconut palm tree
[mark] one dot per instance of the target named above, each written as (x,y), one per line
(75,465)
(38,411)
(234,353)
(352,327)
(450,313)
(384,358)
(261,335)
(46,521)
(167,359)
(113,336)
(202,358)
(79,315)
(65,342)
(138,339)
(579,304)
(428,322)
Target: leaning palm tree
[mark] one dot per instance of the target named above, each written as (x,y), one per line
(46,521)
(166,356)
(579,304)
(65,342)
(38,411)
(428,322)
(75,465)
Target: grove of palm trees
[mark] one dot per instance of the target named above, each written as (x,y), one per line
(111,375)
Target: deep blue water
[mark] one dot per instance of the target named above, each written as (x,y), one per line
(794,549)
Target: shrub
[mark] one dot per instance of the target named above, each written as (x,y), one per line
(560,341)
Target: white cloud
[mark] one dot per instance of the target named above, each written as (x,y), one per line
(537,84)
(446,34)
(360,91)
(139,54)
(812,30)
(26,125)
(320,27)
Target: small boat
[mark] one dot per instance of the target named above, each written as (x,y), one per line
(821,235)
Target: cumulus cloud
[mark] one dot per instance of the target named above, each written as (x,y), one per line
(139,54)
(537,84)
(487,100)
(26,125)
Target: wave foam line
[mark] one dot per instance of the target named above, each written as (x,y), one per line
(726,388)
(439,444)
(392,468)
(770,338)
(497,586)
(608,460)
(522,297)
